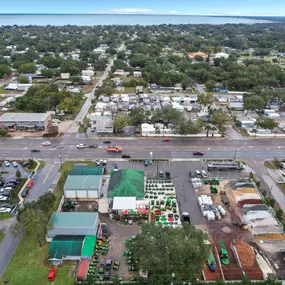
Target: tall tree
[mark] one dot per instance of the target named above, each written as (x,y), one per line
(205,99)
(266,123)
(254,102)
(220,119)
(121,121)
(182,251)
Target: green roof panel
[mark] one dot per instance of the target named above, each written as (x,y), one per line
(86,170)
(126,183)
(82,182)
(88,246)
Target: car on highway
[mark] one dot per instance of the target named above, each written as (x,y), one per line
(6,163)
(126,156)
(35,150)
(107,141)
(46,143)
(280,181)
(81,146)
(3,198)
(198,153)
(15,163)
(93,146)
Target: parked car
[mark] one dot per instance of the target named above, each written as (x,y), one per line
(25,163)
(13,181)
(81,146)
(101,162)
(46,143)
(5,210)
(8,188)
(35,150)
(10,185)
(107,141)
(204,173)
(92,130)
(52,274)
(126,156)
(30,184)
(15,163)
(104,230)
(198,174)
(6,163)
(3,198)
(115,167)
(282,164)
(25,193)
(161,174)
(280,181)
(146,162)
(198,153)
(167,174)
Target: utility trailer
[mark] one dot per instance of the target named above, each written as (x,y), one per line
(225,198)
(225,165)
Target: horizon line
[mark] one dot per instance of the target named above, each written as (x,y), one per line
(147,14)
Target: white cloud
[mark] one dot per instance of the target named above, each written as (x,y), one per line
(125,11)
(174,12)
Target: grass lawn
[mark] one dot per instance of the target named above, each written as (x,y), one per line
(42,164)
(130,90)
(269,165)
(1,236)
(81,130)
(5,216)
(28,264)
(3,91)
(67,165)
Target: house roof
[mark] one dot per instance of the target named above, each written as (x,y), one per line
(124,203)
(74,220)
(23,117)
(126,183)
(82,182)
(86,170)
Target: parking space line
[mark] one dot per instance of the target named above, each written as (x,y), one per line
(48,173)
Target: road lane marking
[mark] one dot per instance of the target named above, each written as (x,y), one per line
(48,173)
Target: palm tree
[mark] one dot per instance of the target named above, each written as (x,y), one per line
(208,128)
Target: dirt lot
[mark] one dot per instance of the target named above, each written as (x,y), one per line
(223,230)
(118,234)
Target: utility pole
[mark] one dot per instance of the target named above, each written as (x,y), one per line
(235,155)
(157,175)
(60,160)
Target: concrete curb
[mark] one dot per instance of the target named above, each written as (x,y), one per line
(24,186)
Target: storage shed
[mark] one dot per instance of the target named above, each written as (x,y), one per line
(72,223)
(83,182)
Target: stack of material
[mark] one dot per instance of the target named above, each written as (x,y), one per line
(196,182)
(210,211)
(245,253)
(262,222)
(250,198)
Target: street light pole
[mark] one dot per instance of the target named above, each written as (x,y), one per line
(235,155)
(60,160)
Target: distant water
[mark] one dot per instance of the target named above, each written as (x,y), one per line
(107,19)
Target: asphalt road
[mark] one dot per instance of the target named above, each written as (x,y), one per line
(141,147)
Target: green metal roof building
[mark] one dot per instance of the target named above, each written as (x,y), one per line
(71,248)
(126,183)
(73,224)
(83,182)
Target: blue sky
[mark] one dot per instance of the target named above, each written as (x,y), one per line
(228,7)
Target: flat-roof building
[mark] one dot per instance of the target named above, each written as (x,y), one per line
(37,121)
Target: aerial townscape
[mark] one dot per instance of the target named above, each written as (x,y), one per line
(139,146)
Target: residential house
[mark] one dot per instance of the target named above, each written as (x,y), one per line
(65,75)
(102,124)
(193,55)
(246,121)
(86,79)
(87,72)
(121,72)
(222,55)
(137,74)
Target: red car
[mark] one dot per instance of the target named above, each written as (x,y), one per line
(30,184)
(198,153)
(166,140)
(52,274)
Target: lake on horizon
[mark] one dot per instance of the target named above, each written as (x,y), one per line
(100,19)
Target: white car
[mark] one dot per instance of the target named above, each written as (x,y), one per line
(282,164)
(82,146)
(15,163)
(5,210)
(46,143)
(6,163)
(280,181)
(3,198)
